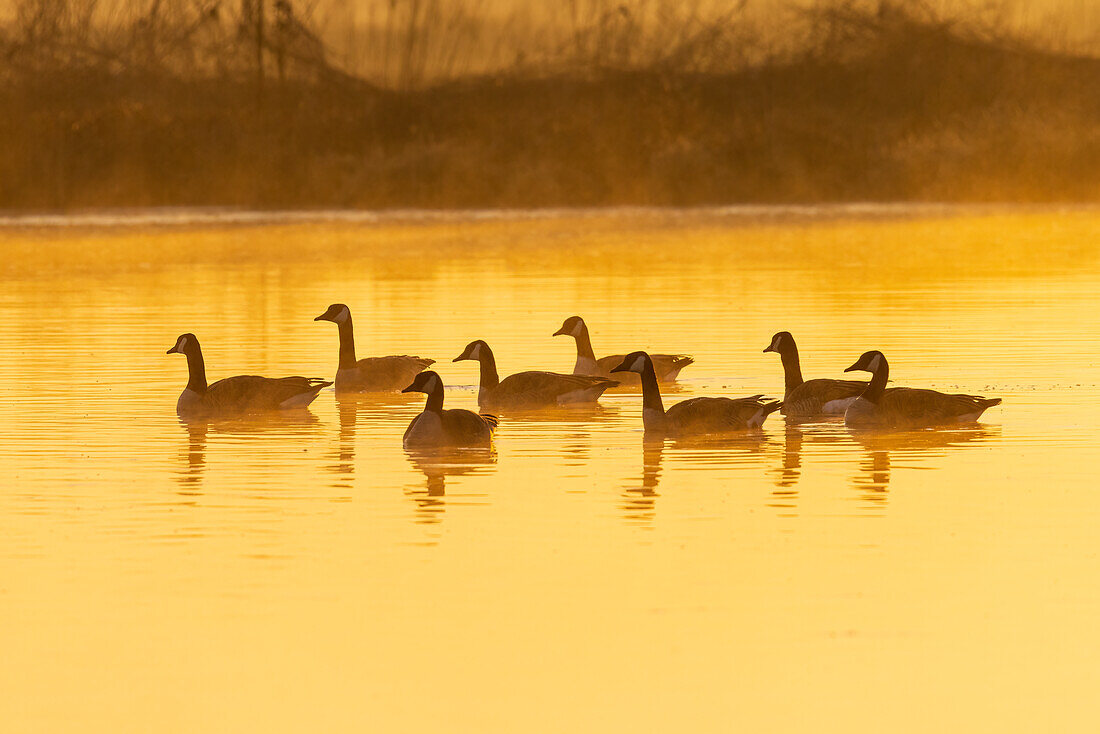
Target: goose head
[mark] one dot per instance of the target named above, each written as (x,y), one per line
(573,326)
(337,313)
(780,342)
(633,362)
(425,382)
(185,344)
(476,350)
(871,361)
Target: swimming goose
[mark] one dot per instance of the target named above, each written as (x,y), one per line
(906,407)
(241,394)
(372,374)
(530,389)
(822,396)
(696,415)
(438,427)
(667,366)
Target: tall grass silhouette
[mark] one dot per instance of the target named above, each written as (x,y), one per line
(437,103)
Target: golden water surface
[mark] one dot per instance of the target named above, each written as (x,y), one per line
(304,573)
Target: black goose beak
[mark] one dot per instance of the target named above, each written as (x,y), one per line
(620,368)
(560,331)
(769,349)
(173,350)
(459,358)
(410,388)
(854,368)
(321,318)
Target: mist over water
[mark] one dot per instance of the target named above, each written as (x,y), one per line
(304,572)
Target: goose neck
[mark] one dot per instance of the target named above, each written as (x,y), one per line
(584,344)
(792,369)
(652,406)
(489,377)
(435,400)
(196,371)
(877,386)
(347,343)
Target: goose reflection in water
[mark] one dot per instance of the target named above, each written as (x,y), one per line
(785,495)
(567,432)
(885,452)
(194,456)
(199,430)
(437,465)
(714,452)
(348,409)
(798,433)
(639,504)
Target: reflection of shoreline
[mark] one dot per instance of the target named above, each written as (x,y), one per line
(884,449)
(437,465)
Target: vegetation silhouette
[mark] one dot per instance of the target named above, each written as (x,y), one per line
(226,104)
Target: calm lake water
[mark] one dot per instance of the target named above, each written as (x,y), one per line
(305,573)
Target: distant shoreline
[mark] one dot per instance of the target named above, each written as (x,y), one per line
(892,104)
(190,217)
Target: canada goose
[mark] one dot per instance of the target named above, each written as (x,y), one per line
(438,427)
(372,374)
(667,366)
(906,407)
(696,415)
(530,389)
(822,396)
(241,394)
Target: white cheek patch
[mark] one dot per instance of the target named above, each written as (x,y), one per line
(181,344)
(639,365)
(343,316)
(578,328)
(475,353)
(876,362)
(432,384)
(775,342)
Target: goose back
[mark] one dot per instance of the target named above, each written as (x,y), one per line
(380,374)
(666,366)
(545,389)
(718,415)
(450,428)
(240,394)
(371,374)
(822,396)
(907,407)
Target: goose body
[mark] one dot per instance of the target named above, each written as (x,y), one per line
(906,407)
(371,374)
(807,398)
(666,366)
(695,416)
(532,389)
(241,394)
(436,427)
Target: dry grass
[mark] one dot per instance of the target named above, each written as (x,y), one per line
(193,103)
